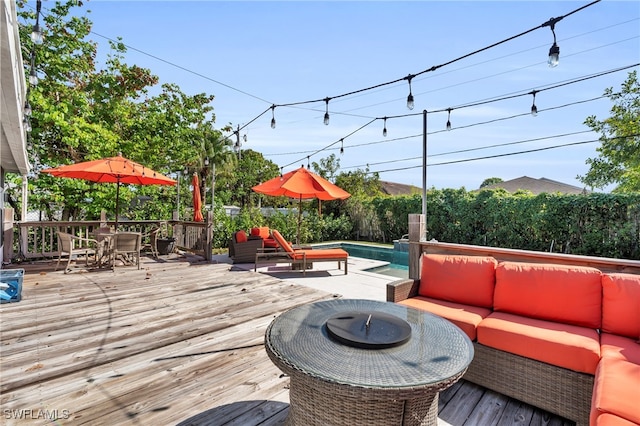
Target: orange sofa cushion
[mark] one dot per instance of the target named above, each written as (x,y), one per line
(241,237)
(616,390)
(568,346)
(607,419)
(462,279)
(566,294)
(466,317)
(625,348)
(621,304)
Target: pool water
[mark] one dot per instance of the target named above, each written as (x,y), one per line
(398,259)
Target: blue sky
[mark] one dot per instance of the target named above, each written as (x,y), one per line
(251,55)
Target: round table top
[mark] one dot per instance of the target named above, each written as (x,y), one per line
(436,351)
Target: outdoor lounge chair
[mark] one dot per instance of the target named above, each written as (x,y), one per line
(71,246)
(242,249)
(304,256)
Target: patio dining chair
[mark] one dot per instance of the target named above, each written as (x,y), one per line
(127,245)
(71,246)
(153,241)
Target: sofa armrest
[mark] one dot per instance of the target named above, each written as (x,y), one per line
(402,289)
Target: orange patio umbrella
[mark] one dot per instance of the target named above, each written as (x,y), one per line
(197,201)
(112,169)
(302,185)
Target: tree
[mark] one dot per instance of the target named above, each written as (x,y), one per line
(490,181)
(619,153)
(81,113)
(327,167)
(252,169)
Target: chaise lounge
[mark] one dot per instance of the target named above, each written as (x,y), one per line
(299,256)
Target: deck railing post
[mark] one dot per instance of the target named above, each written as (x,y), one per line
(417,233)
(208,245)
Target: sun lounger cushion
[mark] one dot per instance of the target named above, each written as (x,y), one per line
(616,390)
(568,346)
(561,293)
(620,308)
(461,279)
(466,317)
(332,254)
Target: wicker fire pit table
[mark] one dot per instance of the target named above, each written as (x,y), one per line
(351,362)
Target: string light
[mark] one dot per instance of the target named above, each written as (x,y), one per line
(273,117)
(410,103)
(554,51)
(342,146)
(308,166)
(448,118)
(326,114)
(27,124)
(36,32)
(33,77)
(27,106)
(384,128)
(534,108)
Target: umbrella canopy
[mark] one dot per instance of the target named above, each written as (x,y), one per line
(302,185)
(197,201)
(112,169)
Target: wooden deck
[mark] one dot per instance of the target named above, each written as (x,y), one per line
(179,342)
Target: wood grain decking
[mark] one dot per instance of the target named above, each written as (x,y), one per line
(175,343)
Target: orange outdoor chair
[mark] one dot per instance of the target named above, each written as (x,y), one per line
(303,256)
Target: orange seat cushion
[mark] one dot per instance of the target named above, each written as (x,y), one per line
(624,348)
(466,317)
(468,280)
(241,237)
(563,345)
(621,304)
(616,390)
(270,242)
(565,294)
(607,419)
(320,254)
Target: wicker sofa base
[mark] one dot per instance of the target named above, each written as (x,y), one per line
(560,391)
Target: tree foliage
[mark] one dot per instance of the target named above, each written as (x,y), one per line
(82,113)
(618,161)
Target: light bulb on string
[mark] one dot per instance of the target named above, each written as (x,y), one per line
(410,102)
(273,117)
(554,51)
(341,146)
(449,119)
(534,108)
(384,128)
(326,114)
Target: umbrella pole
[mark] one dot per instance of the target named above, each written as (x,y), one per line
(299,220)
(117,202)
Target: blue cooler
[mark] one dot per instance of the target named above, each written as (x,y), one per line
(11,285)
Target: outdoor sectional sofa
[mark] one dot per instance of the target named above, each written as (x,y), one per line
(560,337)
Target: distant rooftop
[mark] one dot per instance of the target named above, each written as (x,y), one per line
(537,186)
(394,188)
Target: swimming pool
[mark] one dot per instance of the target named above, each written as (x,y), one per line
(398,259)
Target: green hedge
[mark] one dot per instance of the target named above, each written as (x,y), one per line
(606,225)
(596,224)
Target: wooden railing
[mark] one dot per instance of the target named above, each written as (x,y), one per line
(38,239)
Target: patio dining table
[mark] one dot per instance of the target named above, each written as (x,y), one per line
(334,381)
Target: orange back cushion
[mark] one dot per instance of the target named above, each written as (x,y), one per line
(280,239)
(262,232)
(241,237)
(561,293)
(621,304)
(462,279)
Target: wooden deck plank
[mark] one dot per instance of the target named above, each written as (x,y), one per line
(174,343)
